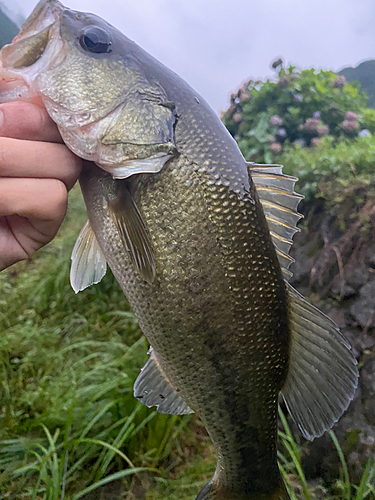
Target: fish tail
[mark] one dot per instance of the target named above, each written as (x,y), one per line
(215,492)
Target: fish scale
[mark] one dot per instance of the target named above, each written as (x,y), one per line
(197,238)
(191,294)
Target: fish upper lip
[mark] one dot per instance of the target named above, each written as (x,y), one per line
(46,17)
(45,13)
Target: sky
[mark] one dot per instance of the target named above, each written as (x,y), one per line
(216,45)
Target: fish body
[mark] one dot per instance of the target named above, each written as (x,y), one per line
(174,210)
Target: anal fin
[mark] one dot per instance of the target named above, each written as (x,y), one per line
(153,388)
(88,262)
(323,374)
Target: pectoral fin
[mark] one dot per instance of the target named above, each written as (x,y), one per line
(153,388)
(133,233)
(88,261)
(323,373)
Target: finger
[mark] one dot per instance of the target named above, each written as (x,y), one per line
(38,159)
(22,120)
(42,201)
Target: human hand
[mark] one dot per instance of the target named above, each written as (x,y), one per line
(36,172)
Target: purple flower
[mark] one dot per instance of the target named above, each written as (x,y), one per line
(316,115)
(315,141)
(298,98)
(283,82)
(300,142)
(349,126)
(323,130)
(339,82)
(275,147)
(276,121)
(311,125)
(364,133)
(351,116)
(281,133)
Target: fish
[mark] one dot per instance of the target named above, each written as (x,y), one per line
(198,240)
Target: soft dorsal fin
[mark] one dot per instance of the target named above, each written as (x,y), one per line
(133,233)
(153,388)
(88,261)
(279,203)
(323,374)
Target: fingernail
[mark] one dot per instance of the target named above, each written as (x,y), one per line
(1,119)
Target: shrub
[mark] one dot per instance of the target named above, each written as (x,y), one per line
(299,107)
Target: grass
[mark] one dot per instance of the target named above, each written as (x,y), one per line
(70,425)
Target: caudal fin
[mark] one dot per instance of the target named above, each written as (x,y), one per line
(216,492)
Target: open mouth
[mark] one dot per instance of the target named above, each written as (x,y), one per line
(35,48)
(35,35)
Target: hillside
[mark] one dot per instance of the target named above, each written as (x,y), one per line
(364,73)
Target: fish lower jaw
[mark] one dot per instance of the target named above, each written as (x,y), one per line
(138,166)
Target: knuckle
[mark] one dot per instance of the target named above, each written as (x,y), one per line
(59,195)
(24,116)
(3,152)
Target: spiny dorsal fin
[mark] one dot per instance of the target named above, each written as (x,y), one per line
(323,374)
(279,202)
(153,388)
(133,233)
(88,261)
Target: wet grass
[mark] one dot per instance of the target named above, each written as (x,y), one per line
(69,424)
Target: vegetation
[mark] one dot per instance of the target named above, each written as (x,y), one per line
(68,362)
(70,423)
(299,108)
(331,170)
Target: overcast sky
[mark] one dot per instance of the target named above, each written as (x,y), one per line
(216,45)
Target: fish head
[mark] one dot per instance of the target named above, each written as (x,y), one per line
(94,85)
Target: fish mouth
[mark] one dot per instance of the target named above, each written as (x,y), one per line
(39,36)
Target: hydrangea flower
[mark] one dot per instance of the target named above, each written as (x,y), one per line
(316,115)
(339,82)
(363,133)
(275,147)
(311,125)
(281,133)
(351,116)
(276,121)
(315,141)
(323,130)
(283,82)
(349,126)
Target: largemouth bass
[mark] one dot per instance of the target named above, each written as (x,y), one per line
(198,240)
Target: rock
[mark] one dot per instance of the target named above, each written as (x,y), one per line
(359,340)
(337,316)
(367,383)
(302,266)
(356,277)
(344,290)
(363,309)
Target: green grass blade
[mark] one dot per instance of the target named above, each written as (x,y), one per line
(347,485)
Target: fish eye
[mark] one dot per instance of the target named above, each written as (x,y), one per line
(95,40)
